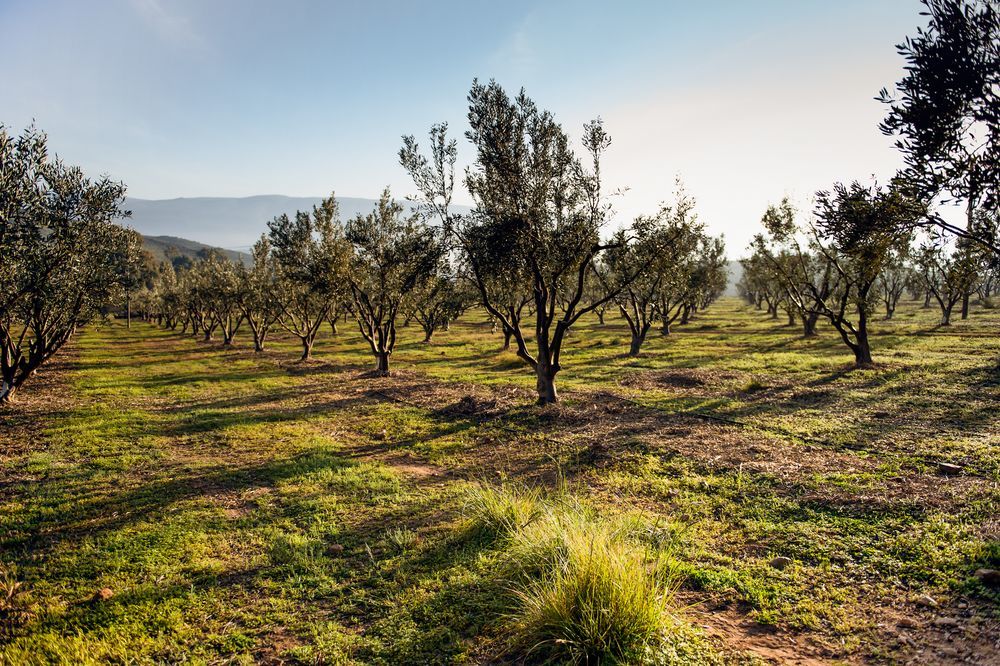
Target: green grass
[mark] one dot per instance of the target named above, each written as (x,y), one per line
(245,508)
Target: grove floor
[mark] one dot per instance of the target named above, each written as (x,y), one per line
(242,507)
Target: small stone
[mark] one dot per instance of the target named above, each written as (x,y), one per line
(926,600)
(988,577)
(946,622)
(907,623)
(103,594)
(780,562)
(335,549)
(949,469)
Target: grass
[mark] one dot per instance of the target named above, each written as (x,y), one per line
(245,508)
(584,593)
(503,511)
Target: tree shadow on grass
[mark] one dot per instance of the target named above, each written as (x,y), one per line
(116,507)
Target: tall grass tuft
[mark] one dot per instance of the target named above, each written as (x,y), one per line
(584,589)
(584,593)
(501,511)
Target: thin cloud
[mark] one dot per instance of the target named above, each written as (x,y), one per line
(173,27)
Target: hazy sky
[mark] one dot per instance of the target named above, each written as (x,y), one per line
(746,101)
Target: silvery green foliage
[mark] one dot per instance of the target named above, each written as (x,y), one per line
(310,255)
(945,111)
(63,259)
(393,259)
(534,236)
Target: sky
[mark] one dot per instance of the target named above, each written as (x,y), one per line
(746,102)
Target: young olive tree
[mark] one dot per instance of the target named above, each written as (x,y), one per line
(62,256)
(221,289)
(259,299)
(440,300)
(710,276)
(948,273)
(893,278)
(392,257)
(310,255)
(856,230)
(800,273)
(661,242)
(537,220)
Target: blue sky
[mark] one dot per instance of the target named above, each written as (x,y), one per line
(746,101)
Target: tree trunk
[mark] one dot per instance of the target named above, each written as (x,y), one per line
(638,337)
(791,318)
(946,316)
(428,333)
(600,317)
(333,326)
(307,347)
(546,385)
(809,325)
(665,328)
(128,311)
(862,352)
(965,305)
(381,364)
(507,333)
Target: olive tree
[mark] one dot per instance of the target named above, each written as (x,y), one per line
(62,256)
(310,255)
(695,278)
(537,222)
(221,287)
(894,276)
(797,267)
(392,256)
(856,229)
(945,111)
(440,300)
(948,273)
(709,277)
(258,297)
(661,243)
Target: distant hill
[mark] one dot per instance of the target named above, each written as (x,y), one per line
(229,222)
(164,248)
